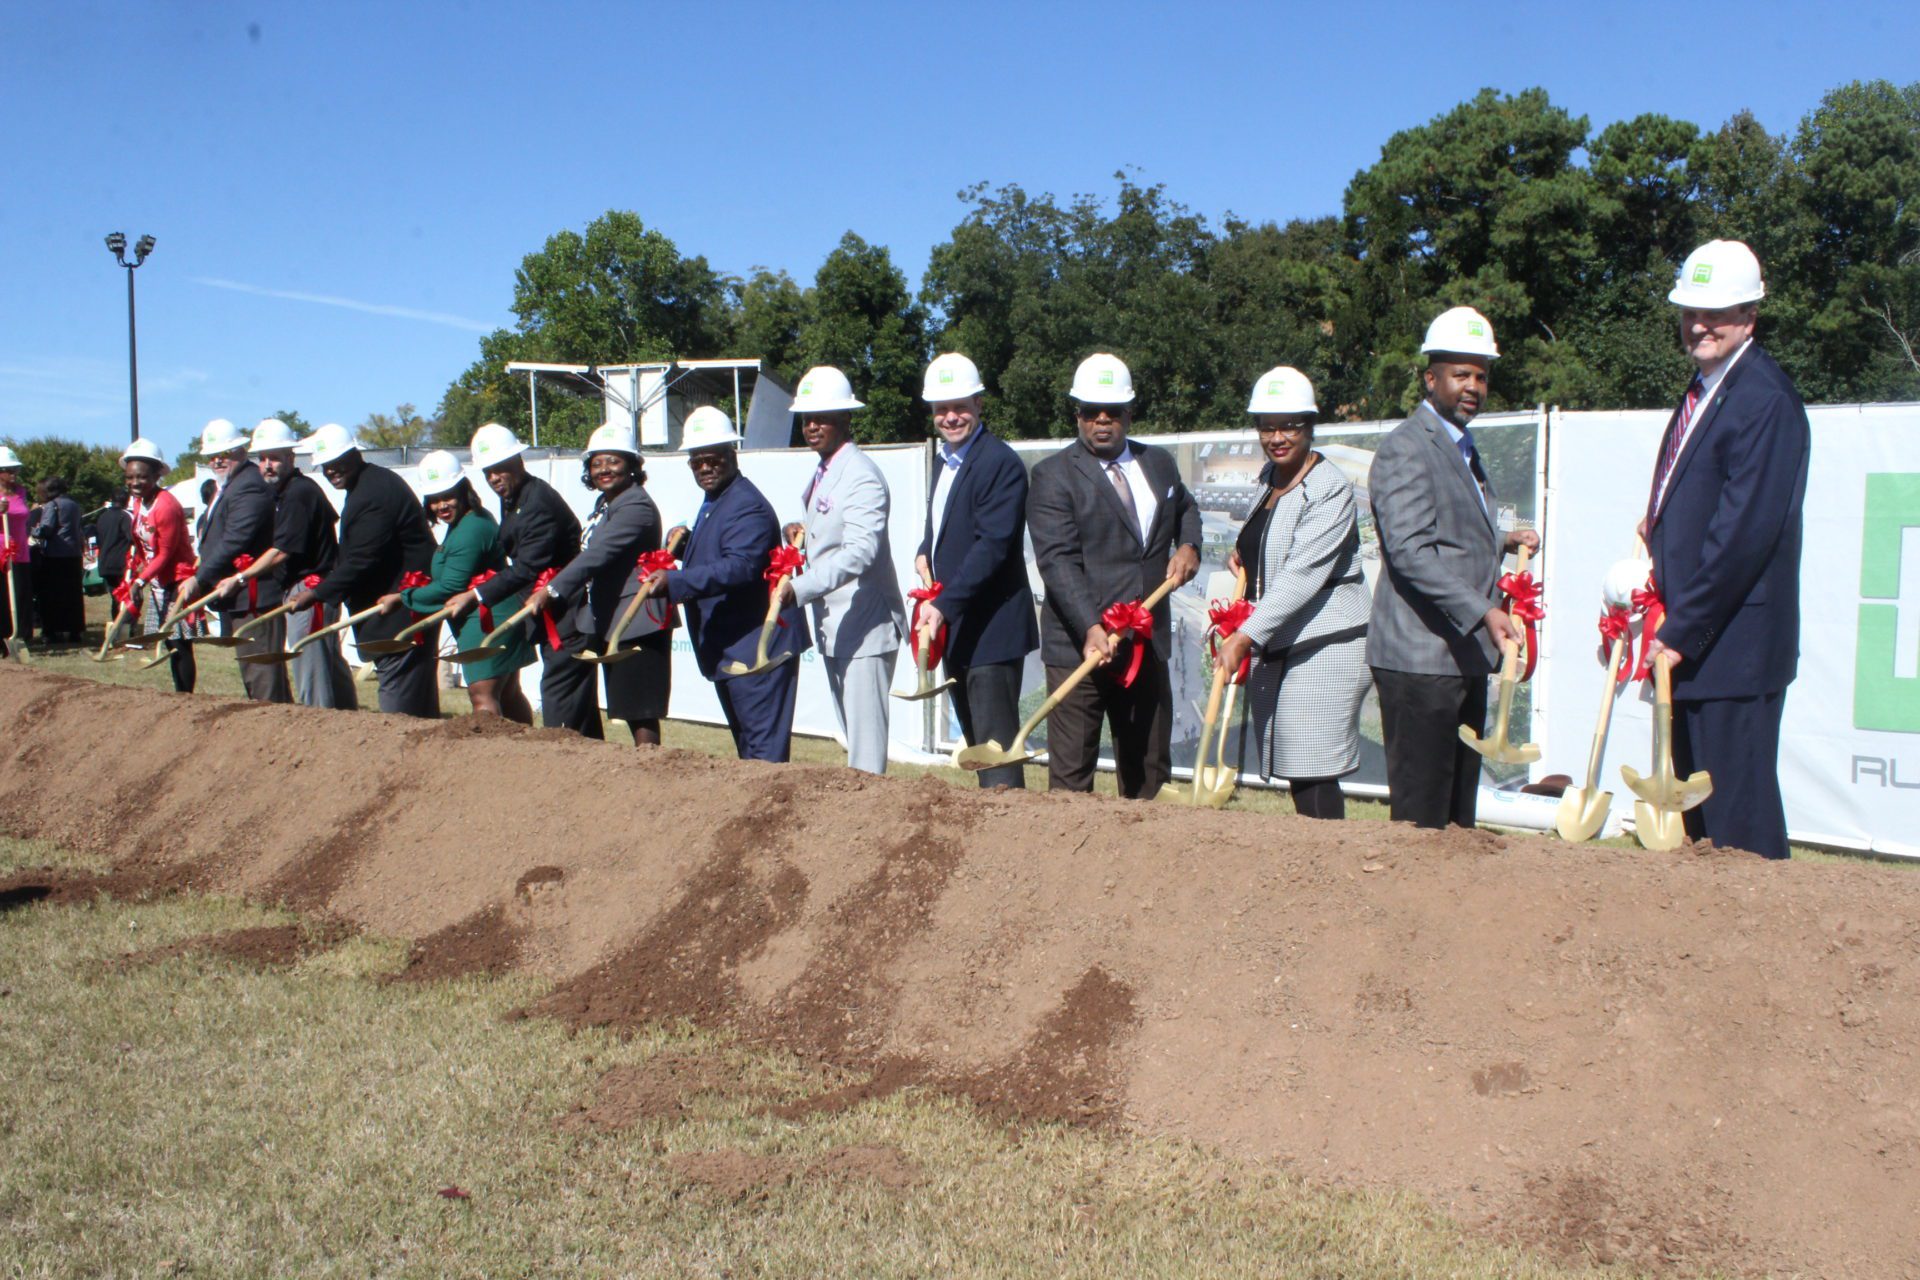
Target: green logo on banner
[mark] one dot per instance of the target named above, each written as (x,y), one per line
(1883,697)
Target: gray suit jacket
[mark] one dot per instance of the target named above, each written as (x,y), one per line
(1439,555)
(849,581)
(598,584)
(1309,570)
(1090,551)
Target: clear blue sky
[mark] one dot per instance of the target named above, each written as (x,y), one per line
(342,191)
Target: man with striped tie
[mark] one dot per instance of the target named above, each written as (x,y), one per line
(1723,529)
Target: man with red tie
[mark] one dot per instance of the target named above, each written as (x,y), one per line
(1723,528)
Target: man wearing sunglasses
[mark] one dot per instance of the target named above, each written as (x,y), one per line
(1110,521)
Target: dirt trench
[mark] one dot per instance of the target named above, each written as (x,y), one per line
(1675,1061)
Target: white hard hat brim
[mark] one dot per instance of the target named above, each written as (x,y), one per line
(1096,397)
(495,459)
(322,456)
(1703,300)
(830,406)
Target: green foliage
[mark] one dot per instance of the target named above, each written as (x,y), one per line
(92,471)
(403,428)
(860,318)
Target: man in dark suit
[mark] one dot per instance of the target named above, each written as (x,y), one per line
(1437,628)
(1723,528)
(722,584)
(1110,520)
(113,535)
(538,531)
(974,546)
(384,536)
(239,530)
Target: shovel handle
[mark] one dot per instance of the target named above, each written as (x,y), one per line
(1080,673)
(259,618)
(348,621)
(438,615)
(1206,724)
(674,542)
(518,616)
(1614,656)
(119,621)
(186,610)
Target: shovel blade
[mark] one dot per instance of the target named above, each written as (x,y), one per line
(267,659)
(742,669)
(1664,791)
(385,646)
(1582,814)
(986,756)
(925,692)
(1658,829)
(1499,749)
(479,654)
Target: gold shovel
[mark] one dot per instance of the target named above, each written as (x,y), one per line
(259,618)
(401,640)
(760,660)
(922,645)
(286,655)
(1217,786)
(1208,782)
(157,638)
(989,754)
(119,621)
(1657,823)
(614,652)
(487,648)
(1498,747)
(16,648)
(1583,810)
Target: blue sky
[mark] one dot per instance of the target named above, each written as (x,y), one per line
(341,192)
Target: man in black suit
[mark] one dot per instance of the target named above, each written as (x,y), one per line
(538,531)
(1110,520)
(113,534)
(383,537)
(239,530)
(974,546)
(1723,528)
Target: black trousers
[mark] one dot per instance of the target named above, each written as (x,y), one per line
(60,602)
(986,698)
(1737,740)
(21,576)
(1433,778)
(570,693)
(406,682)
(1140,716)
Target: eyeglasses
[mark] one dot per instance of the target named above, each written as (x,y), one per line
(1092,411)
(1292,429)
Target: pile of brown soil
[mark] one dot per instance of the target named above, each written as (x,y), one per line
(1698,1060)
(263,946)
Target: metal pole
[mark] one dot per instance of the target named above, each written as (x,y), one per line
(736,401)
(533,402)
(133,361)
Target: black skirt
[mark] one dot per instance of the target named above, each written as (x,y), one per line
(637,689)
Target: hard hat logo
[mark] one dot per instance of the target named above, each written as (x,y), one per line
(946,375)
(1106,377)
(1477,329)
(1703,273)
(806,388)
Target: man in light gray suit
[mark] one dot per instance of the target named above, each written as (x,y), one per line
(848,582)
(1437,623)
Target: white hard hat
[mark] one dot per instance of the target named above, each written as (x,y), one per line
(824,389)
(221,436)
(1102,379)
(613,437)
(950,377)
(271,433)
(1623,579)
(1720,273)
(705,428)
(10,461)
(1283,389)
(1461,332)
(493,444)
(142,450)
(328,442)
(439,472)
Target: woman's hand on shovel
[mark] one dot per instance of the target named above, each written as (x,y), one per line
(1234,650)
(462,602)
(387,604)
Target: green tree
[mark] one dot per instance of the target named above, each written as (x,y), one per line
(403,428)
(300,426)
(769,312)
(92,471)
(860,319)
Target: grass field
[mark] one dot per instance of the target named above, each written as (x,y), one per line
(198,1116)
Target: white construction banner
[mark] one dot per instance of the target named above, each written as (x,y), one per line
(1850,744)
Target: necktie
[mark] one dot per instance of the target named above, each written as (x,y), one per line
(1670,447)
(1471,454)
(1125,490)
(819,474)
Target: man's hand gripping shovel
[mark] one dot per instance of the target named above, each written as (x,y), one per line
(1498,747)
(782,565)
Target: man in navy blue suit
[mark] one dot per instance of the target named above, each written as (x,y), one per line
(722,583)
(1723,528)
(974,546)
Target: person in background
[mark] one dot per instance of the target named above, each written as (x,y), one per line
(58,564)
(16,551)
(209,490)
(1437,627)
(974,546)
(848,581)
(385,546)
(469,549)
(1300,548)
(1110,521)
(593,591)
(166,555)
(113,536)
(722,585)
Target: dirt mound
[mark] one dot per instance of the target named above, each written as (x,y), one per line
(485,943)
(1696,1059)
(263,946)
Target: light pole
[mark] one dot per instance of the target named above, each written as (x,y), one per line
(117,242)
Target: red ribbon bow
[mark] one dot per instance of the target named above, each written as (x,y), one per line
(408,581)
(1224,617)
(652,562)
(539,590)
(123,594)
(936,643)
(486,611)
(1647,602)
(1130,619)
(312,583)
(1616,623)
(182,572)
(1523,602)
(784,563)
(6,551)
(242,563)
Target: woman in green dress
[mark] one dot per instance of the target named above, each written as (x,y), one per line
(469,552)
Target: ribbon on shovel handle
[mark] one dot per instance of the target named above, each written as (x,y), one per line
(312,583)
(408,581)
(486,610)
(936,644)
(658,561)
(1616,623)
(1224,617)
(539,590)
(242,563)
(1523,602)
(784,561)
(181,572)
(1653,612)
(1129,619)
